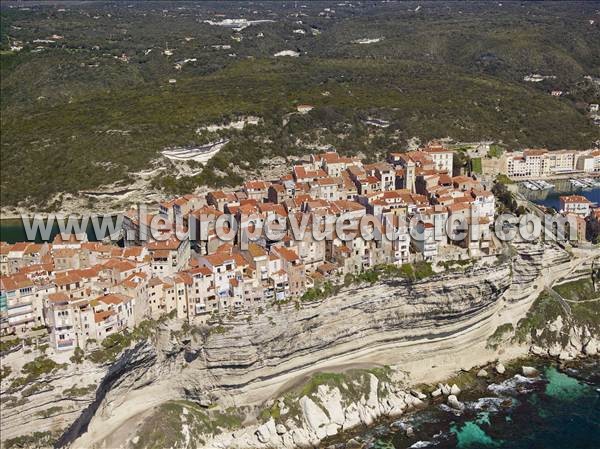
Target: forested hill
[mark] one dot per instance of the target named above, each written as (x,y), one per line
(91,92)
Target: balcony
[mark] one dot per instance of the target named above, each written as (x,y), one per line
(19,310)
(14,303)
(21,319)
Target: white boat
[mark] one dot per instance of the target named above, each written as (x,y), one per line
(576,183)
(589,182)
(537,185)
(545,185)
(530,185)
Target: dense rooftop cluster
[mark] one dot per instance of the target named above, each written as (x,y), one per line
(85,291)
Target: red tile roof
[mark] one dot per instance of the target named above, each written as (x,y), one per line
(103,315)
(574,199)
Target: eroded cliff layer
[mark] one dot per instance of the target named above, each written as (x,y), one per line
(225,376)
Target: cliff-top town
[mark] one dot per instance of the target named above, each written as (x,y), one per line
(299,224)
(85,291)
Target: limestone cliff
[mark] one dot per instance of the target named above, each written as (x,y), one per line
(230,386)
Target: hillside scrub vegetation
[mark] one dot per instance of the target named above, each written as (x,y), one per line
(87,102)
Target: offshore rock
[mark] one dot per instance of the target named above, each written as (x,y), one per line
(536,350)
(529,371)
(455,390)
(436,393)
(418,394)
(445,389)
(354,444)
(455,403)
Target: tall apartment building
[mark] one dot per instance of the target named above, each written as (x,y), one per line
(73,322)
(540,163)
(18,294)
(589,162)
(526,164)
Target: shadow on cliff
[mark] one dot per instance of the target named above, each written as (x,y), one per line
(140,356)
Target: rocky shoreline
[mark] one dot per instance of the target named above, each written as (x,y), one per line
(326,422)
(493,389)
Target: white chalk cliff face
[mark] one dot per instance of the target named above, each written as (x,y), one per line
(252,383)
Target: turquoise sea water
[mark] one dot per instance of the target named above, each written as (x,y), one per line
(558,410)
(564,414)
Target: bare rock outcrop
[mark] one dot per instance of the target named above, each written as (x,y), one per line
(325,412)
(247,362)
